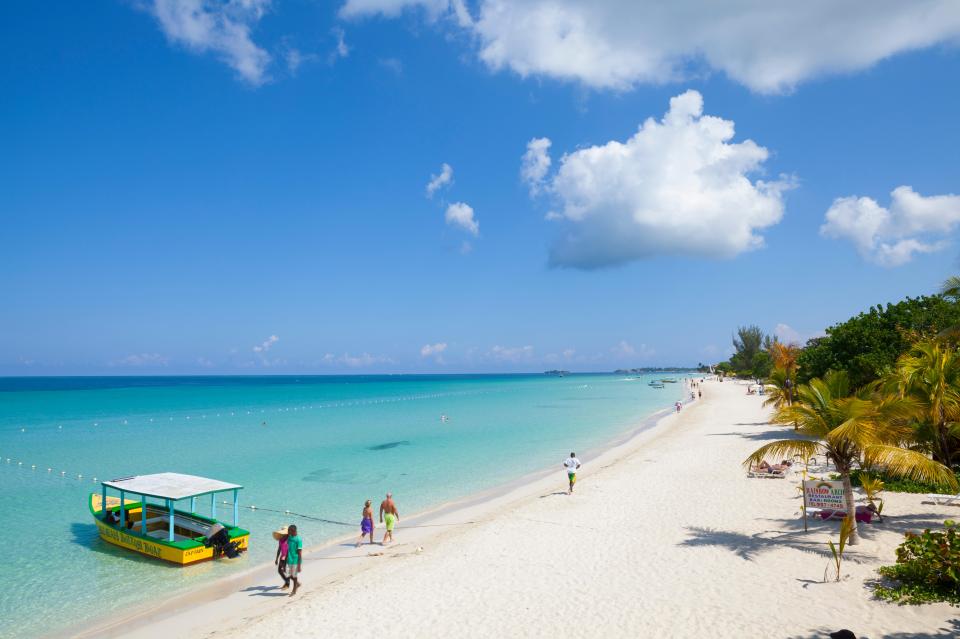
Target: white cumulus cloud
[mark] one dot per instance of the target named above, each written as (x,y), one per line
(267,343)
(787,334)
(626,350)
(767,46)
(434,350)
(460,214)
(892,236)
(363,360)
(142,359)
(222,27)
(444,178)
(535,163)
(679,186)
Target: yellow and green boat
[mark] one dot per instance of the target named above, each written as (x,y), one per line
(160,529)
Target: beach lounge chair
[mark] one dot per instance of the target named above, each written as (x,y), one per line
(864,514)
(948,500)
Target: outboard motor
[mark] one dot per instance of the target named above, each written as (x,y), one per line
(219,539)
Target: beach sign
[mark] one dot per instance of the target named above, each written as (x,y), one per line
(823,494)
(827,495)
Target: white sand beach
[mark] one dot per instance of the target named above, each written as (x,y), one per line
(665,536)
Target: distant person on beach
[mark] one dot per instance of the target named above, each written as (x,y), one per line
(699,393)
(572,464)
(294,557)
(281,559)
(366,523)
(678,405)
(389,516)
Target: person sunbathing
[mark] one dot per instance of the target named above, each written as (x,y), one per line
(765,467)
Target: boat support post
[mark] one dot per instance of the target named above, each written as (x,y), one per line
(170,506)
(213,505)
(193,504)
(143,514)
(236,508)
(123,514)
(103,501)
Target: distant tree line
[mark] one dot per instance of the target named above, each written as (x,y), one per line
(866,346)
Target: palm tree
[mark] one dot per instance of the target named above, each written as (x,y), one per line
(951,288)
(851,429)
(782,392)
(785,356)
(929,374)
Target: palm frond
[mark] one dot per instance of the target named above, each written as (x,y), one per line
(951,287)
(784,449)
(908,463)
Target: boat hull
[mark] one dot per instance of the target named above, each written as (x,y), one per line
(181,553)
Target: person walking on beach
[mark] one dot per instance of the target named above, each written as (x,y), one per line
(281,559)
(389,516)
(366,523)
(294,557)
(572,464)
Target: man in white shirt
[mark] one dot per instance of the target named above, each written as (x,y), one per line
(572,464)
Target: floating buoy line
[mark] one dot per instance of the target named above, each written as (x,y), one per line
(127,421)
(63,474)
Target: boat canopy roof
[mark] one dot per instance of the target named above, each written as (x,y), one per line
(170,485)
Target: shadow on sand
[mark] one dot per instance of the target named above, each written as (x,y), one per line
(789,533)
(265,591)
(952,630)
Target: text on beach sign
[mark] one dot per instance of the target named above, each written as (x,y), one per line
(824,494)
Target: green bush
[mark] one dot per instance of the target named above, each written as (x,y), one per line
(927,568)
(902,484)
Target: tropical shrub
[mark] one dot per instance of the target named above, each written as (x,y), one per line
(893,484)
(927,568)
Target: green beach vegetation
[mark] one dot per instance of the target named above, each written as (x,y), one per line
(878,394)
(862,429)
(927,568)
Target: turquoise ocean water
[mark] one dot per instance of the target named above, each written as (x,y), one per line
(314,445)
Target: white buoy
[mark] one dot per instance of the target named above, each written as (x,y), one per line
(19,463)
(253,507)
(49,470)
(62,473)
(94,480)
(79,476)
(33,466)
(23,430)
(59,427)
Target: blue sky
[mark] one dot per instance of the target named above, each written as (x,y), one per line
(192,186)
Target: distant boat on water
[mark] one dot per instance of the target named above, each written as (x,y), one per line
(669,380)
(656,384)
(557,373)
